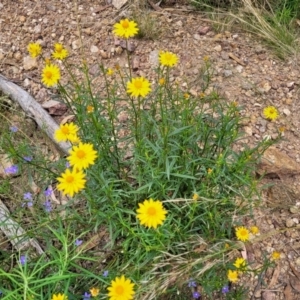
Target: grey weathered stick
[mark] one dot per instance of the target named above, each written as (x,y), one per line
(34,109)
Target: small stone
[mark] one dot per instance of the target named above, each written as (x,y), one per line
(286,111)
(179,23)
(94,49)
(153,58)
(204,30)
(135,63)
(118,3)
(294,209)
(29,63)
(290,84)
(22,19)
(218,48)
(297,261)
(37,29)
(197,36)
(26,82)
(248,130)
(103,54)
(295,220)
(289,223)
(267,87)
(18,56)
(268,295)
(224,55)
(259,49)
(122,117)
(288,101)
(239,68)
(246,86)
(227,73)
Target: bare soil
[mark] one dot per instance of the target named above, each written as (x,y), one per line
(245,72)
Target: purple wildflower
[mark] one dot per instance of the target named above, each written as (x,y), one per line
(28,158)
(48,192)
(86,296)
(196,295)
(68,165)
(78,242)
(13,128)
(27,196)
(47,206)
(28,203)
(225,289)
(105,273)
(12,169)
(23,260)
(192,283)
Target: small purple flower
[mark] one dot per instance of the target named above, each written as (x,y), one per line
(78,242)
(225,289)
(196,295)
(105,273)
(86,296)
(23,260)
(13,128)
(28,158)
(68,165)
(28,203)
(27,196)
(12,169)
(48,192)
(192,283)
(47,206)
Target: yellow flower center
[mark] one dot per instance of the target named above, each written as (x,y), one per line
(80,154)
(151,211)
(119,290)
(168,56)
(65,130)
(70,179)
(138,84)
(48,74)
(243,233)
(58,48)
(125,24)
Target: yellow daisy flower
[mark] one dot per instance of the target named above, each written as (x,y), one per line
(168,59)
(82,156)
(50,75)
(151,213)
(60,52)
(254,230)
(34,49)
(196,197)
(121,289)
(59,297)
(276,255)
(125,29)
(271,113)
(232,276)
(66,132)
(71,182)
(94,292)
(138,86)
(240,263)
(242,233)
(161,81)
(109,71)
(90,109)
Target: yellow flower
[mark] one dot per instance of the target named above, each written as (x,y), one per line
(276,255)
(125,29)
(82,156)
(47,61)
(94,292)
(66,132)
(196,197)
(71,182)
(50,75)
(90,108)
(109,71)
(242,233)
(254,229)
(60,52)
(59,297)
(121,289)
(186,96)
(151,213)
(34,49)
(138,86)
(168,59)
(161,81)
(240,263)
(271,113)
(232,276)
(206,58)
(202,95)
(209,171)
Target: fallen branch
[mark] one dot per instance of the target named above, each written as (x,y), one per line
(34,109)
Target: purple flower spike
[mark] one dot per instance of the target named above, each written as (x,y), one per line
(105,273)
(48,192)
(192,283)
(78,242)
(196,295)
(47,206)
(86,296)
(23,260)
(27,196)
(225,289)
(12,169)
(13,128)
(28,158)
